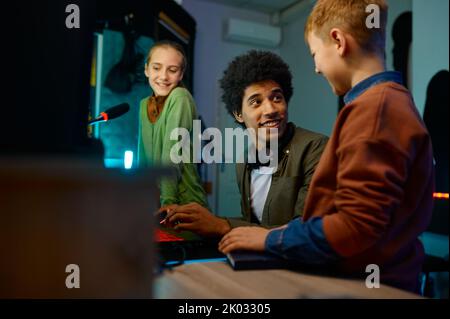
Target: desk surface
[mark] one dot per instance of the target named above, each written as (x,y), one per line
(219,280)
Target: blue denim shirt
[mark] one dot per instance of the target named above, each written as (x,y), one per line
(361,87)
(306,242)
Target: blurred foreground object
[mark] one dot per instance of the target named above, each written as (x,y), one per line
(59,211)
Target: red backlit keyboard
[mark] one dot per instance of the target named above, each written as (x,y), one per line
(162,236)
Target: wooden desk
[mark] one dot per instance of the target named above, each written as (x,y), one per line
(219,280)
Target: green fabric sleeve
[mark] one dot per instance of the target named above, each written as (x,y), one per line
(180,114)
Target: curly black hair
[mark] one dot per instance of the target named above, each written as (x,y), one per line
(249,68)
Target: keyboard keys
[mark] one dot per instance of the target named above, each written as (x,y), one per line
(163,236)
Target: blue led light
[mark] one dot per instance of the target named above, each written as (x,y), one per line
(128,160)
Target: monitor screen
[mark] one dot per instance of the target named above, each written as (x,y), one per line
(47,68)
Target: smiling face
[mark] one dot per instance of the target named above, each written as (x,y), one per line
(164,70)
(264,106)
(327,60)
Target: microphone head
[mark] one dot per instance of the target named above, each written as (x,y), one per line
(117,110)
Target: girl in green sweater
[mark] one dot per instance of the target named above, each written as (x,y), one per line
(170,106)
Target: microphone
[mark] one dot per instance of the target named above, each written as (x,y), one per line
(111,113)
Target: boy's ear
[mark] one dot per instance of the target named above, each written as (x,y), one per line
(147,74)
(238,117)
(339,40)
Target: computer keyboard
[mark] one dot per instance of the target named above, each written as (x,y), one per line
(162,236)
(182,249)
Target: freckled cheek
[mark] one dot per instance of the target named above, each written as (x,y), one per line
(153,77)
(174,76)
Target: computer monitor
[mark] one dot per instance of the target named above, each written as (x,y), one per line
(47,68)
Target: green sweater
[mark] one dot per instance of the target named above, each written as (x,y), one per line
(155,144)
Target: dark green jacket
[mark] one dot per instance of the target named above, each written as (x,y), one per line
(287,194)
